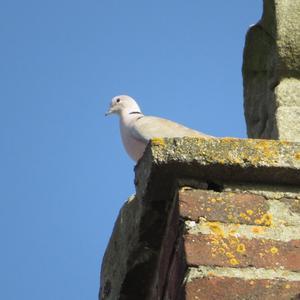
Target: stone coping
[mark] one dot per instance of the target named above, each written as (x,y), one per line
(222,159)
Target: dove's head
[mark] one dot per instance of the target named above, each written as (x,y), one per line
(123,104)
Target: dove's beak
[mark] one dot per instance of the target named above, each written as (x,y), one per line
(109,112)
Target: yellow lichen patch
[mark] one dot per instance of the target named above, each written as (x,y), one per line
(287,286)
(216,228)
(233,240)
(274,250)
(224,245)
(297,155)
(234,261)
(229,255)
(232,232)
(158,142)
(229,140)
(214,241)
(249,212)
(221,250)
(208,209)
(244,216)
(269,150)
(266,220)
(230,217)
(257,230)
(241,248)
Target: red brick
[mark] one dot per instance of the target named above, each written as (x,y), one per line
(225,207)
(240,252)
(217,288)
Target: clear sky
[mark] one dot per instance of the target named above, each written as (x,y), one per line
(63,172)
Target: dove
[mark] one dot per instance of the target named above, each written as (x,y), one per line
(137,129)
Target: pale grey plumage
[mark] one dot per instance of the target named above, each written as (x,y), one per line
(149,127)
(137,129)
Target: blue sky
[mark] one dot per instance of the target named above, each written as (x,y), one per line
(64,174)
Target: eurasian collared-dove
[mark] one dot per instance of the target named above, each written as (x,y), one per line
(137,129)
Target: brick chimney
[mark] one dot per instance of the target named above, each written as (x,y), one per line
(211,219)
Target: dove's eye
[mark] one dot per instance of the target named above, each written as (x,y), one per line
(118,100)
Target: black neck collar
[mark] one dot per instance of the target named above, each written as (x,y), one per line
(135,113)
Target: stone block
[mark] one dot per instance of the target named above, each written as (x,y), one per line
(215,288)
(271,73)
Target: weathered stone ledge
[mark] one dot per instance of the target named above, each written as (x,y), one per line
(230,159)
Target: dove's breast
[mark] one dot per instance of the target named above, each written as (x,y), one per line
(135,148)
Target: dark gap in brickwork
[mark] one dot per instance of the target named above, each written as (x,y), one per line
(213,186)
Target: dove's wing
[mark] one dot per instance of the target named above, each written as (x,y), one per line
(147,127)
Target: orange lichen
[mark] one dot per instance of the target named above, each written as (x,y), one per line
(269,150)
(230,217)
(297,155)
(234,261)
(266,219)
(215,228)
(221,250)
(214,241)
(229,255)
(158,142)
(241,248)
(244,216)
(257,230)
(232,232)
(233,240)
(249,212)
(274,250)
(224,245)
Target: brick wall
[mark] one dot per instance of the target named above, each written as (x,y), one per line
(211,219)
(238,245)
